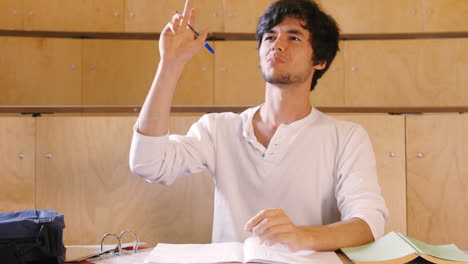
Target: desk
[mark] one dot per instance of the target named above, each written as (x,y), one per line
(342,257)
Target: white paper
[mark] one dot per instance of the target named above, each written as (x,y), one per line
(80,252)
(129,258)
(279,253)
(196,253)
(250,251)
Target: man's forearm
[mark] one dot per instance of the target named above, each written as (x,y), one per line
(155,113)
(349,233)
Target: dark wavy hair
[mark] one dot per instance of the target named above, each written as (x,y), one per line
(324,32)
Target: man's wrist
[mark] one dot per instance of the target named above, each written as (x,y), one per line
(172,65)
(316,238)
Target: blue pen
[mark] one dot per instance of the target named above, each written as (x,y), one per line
(207,46)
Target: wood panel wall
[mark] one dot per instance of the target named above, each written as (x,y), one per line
(81,170)
(87,178)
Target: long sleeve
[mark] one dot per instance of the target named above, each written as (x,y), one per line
(163,159)
(358,192)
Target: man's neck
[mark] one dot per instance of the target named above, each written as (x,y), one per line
(284,105)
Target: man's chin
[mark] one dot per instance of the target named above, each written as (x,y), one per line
(278,79)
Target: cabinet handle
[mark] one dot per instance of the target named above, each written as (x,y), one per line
(48,155)
(21,156)
(392,154)
(419,155)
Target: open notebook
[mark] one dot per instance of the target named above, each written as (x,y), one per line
(398,248)
(249,251)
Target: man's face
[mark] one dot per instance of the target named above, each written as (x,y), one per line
(286,53)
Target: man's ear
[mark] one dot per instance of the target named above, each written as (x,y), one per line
(320,66)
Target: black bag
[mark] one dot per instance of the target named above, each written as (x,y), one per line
(32,237)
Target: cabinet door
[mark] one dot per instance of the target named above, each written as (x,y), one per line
(87,16)
(238,79)
(382,73)
(17,161)
(394,73)
(370,16)
(40,71)
(11,14)
(87,178)
(241,16)
(442,72)
(387,134)
(445,15)
(437,169)
(120,72)
(196,85)
(330,89)
(153,15)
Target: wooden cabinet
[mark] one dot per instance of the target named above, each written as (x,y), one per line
(330,88)
(153,15)
(85,16)
(84,160)
(150,15)
(120,72)
(399,73)
(241,16)
(442,67)
(445,15)
(381,73)
(11,14)
(196,85)
(370,16)
(40,71)
(237,74)
(387,134)
(17,163)
(233,16)
(79,166)
(437,170)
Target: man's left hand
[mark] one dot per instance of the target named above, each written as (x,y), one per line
(273,226)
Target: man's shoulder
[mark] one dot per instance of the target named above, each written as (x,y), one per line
(221,117)
(335,122)
(343,130)
(229,117)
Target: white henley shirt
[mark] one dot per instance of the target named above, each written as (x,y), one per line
(319,170)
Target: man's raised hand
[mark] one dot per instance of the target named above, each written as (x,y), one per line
(177,42)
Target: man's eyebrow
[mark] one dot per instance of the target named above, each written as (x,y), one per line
(291,31)
(295,32)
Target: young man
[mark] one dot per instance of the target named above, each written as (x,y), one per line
(283,171)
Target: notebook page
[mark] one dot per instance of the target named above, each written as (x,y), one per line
(279,253)
(449,252)
(391,246)
(196,253)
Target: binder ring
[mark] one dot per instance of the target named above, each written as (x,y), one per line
(119,245)
(135,245)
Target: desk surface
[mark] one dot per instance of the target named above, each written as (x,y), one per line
(342,257)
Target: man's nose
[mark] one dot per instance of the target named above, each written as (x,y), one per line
(279,45)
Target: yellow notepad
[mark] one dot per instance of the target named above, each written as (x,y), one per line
(398,248)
